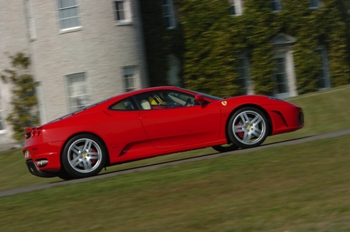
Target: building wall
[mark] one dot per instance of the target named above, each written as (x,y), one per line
(13,39)
(100,48)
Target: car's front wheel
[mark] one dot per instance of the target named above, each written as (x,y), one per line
(84,155)
(248,127)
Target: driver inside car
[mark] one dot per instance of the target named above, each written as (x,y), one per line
(161,100)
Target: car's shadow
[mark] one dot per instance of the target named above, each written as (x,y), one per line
(287,141)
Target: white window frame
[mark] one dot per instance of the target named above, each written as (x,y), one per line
(246,73)
(324,69)
(31,21)
(169,13)
(122,16)
(284,93)
(129,78)
(62,18)
(276,5)
(283,48)
(315,4)
(2,124)
(82,96)
(237,6)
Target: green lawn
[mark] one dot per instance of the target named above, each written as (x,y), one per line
(291,188)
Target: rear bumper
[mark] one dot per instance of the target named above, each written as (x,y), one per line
(43,159)
(33,169)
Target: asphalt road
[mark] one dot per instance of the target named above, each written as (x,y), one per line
(156,166)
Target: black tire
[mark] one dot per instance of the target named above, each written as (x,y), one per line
(64,175)
(226,147)
(84,155)
(248,127)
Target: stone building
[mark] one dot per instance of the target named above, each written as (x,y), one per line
(82,51)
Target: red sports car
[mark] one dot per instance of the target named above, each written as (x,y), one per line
(151,122)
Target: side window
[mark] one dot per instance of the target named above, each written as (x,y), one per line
(122,11)
(169,14)
(276,5)
(236,7)
(165,100)
(77,91)
(182,98)
(314,4)
(129,74)
(126,104)
(68,13)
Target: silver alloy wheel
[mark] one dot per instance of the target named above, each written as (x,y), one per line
(249,127)
(84,155)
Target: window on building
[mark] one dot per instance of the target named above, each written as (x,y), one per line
(323,74)
(276,5)
(68,13)
(77,91)
(280,76)
(236,7)
(314,4)
(122,11)
(1,113)
(243,74)
(168,13)
(129,78)
(174,71)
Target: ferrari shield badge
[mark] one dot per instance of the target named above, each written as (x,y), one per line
(224,103)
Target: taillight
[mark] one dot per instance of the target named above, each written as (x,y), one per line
(32,132)
(36,131)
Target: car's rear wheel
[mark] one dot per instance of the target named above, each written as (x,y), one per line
(248,127)
(226,147)
(84,155)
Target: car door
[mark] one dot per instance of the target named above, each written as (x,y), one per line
(126,135)
(179,123)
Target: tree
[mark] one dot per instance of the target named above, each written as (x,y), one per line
(214,40)
(24,101)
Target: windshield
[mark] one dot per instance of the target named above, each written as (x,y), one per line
(207,95)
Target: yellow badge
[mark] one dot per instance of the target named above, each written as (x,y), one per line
(224,103)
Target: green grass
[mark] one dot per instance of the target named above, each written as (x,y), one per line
(291,188)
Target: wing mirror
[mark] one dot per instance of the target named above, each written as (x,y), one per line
(200,99)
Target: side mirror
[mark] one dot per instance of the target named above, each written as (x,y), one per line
(200,99)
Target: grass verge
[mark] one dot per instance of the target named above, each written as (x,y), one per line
(293,188)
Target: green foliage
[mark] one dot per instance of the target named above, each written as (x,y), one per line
(24,101)
(212,40)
